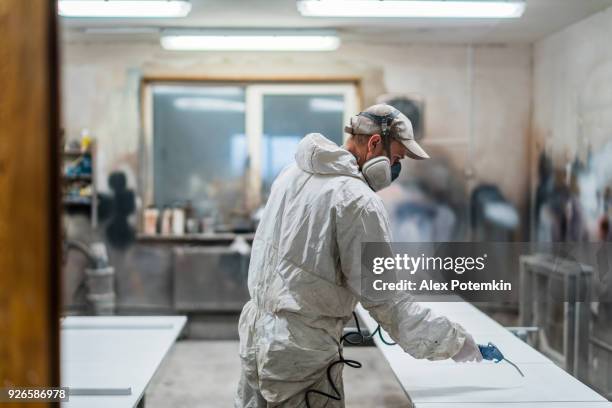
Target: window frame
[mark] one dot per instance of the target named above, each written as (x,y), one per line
(254,93)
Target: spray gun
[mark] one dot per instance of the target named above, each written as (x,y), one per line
(492,353)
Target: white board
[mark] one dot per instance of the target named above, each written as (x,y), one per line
(113,352)
(446,382)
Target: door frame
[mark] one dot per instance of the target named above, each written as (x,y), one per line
(30,212)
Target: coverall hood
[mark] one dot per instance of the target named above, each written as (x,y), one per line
(318,155)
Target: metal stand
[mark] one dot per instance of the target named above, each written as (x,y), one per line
(544,270)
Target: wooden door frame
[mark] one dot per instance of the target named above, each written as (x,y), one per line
(30,189)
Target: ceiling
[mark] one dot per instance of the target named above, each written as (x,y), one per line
(542,17)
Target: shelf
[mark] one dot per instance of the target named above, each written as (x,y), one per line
(84,201)
(212,238)
(74,153)
(76,203)
(82,177)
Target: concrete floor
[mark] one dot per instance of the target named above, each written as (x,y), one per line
(204,374)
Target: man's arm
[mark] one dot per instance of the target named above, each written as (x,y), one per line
(413,327)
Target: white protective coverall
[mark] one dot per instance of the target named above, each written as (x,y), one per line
(305,258)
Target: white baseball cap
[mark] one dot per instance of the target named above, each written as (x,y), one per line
(371,120)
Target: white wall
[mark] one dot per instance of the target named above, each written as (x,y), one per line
(573,106)
(573,88)
(572,111)
(101,92)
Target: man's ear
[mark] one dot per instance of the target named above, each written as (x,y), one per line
(374,141)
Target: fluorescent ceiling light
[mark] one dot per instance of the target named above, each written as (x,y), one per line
(412,8)
(241,40)
(124,8)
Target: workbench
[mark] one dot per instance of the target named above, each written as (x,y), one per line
(437,384)
(108,361)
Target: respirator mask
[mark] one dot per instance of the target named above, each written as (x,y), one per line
(378,171)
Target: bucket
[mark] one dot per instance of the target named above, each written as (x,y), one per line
(101,290)
(102,304)
(100,281)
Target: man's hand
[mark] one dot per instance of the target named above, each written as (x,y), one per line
(469,352)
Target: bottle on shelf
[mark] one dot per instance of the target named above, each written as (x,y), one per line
(178,221)
(166,222)
(151,214)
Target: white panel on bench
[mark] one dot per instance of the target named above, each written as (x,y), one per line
(448,382)
(467,315)
(517,351)
(114,352)
(479,383)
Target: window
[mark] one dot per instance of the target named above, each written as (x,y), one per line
(219,147)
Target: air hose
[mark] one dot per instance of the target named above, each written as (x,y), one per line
(351,363)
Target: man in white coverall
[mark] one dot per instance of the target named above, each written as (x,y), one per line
(306,260)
